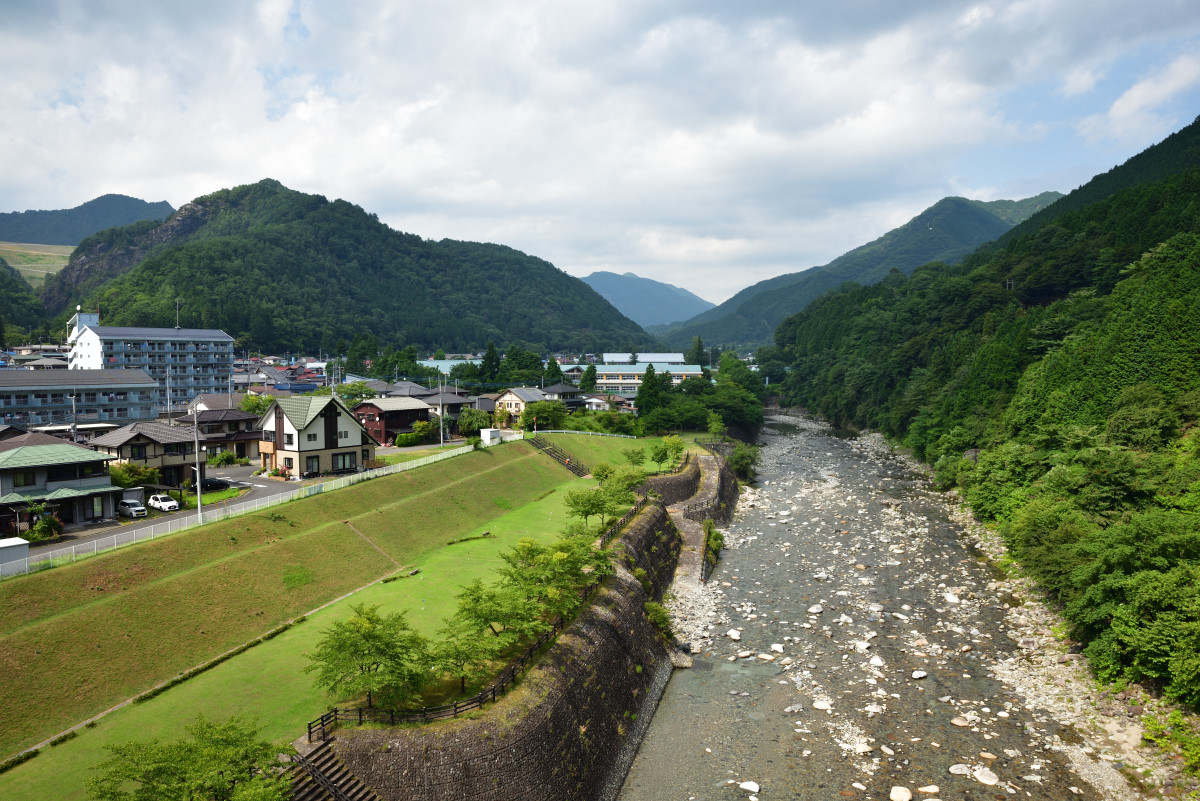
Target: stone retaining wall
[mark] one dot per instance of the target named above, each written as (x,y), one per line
(676,487)
(570,728)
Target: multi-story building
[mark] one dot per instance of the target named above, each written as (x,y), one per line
(88,399)
(184,361)
(625,379)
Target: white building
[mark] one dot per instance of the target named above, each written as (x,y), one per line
(184,361)
(624,379)
(644,358)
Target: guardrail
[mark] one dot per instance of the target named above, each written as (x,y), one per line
(44,560)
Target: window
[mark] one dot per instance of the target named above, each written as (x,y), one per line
(24,478)
(287,463)
(366,456)
(137,452)
(289,439)
(269,434)
(67,472)
(312,464)
(344,461)
(343,435)
(310,437)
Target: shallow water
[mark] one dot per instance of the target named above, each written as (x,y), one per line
(842,524)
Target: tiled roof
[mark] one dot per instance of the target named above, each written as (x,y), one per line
(153,430)
(303,409)
(398,404)
(74,379)
(56,495)
(218,416)
(43,455)
(528,394)
(560,389)
(25,438)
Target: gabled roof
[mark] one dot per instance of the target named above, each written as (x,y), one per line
(218,416)
(218,400)
(561,389)
(45,455)
(152,430)
(21,438)
(444,399)
(528,394)
(301,410)
(398,404)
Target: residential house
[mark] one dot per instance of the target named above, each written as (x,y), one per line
(513,401)
(171,449)
(384,418)
(312,434)
(184,361)
(227,430)
(71,480)
(569,396)
(224,400)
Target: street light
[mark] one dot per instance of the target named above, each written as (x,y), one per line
(196,436)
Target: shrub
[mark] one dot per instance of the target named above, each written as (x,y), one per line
(660,618)
(743,460)
(408,440)
(222,458)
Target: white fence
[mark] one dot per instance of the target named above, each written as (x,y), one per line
(60,556)
(586,433)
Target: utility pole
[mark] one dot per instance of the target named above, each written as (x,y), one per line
(196,436)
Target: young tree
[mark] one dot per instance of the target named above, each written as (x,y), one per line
(255,404)
(659,453)
(371,653)
(130,474)
(439,354)
(553,574)
(696,354)
(506,611)
(635,456)
(587,382)
(675,447)
(222,761)
(716,426)
(465,650)
(585,503)
(549,415)
(553,373)
(647,399)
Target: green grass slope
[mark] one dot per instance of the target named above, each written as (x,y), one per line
(76,640)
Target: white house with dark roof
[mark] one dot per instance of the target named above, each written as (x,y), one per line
(184,361)
(624,379)
(312,434)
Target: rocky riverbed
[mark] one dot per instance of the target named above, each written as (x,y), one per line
(855,641)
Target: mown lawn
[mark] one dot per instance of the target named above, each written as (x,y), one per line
(591,449)
(77,639)
(267,682)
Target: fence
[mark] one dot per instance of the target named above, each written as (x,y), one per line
(585,433)
(559,455)
(43,560)
(616,527)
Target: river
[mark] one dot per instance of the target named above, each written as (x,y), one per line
(877,654)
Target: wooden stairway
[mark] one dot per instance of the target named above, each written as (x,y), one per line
(321,776)
(559,455)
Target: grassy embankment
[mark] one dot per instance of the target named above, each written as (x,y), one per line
(35,263)
(267,681)
(592,450)
(78,639)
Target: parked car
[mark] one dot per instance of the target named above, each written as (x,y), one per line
(128,508)
(163,503)
(213,485)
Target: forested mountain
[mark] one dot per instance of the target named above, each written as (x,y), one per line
(1054,377)
(946,231)
(645,301)
(70,226)
(18,304)
(281,270)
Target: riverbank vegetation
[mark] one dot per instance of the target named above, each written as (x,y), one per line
(1053,378)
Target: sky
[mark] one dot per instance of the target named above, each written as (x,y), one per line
(705,144)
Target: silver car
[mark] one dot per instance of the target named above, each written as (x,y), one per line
(127,508)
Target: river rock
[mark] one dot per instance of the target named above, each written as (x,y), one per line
(985,776)
(816,609)
(734,635)
(750,787)
(919,674)
(929,789)
(960,769)
(900,794)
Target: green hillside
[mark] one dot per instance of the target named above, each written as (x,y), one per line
(18,305)
(281,270)
(946,231)
(1067,355)
(70,226)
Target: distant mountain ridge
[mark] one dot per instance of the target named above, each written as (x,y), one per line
(646,301)
(71,226)
(282,270)
(947,231)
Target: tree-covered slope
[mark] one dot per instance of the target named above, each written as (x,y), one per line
(1055,379)
(18,304)
(283,270)
(646,301)
(70,226)
(946,231)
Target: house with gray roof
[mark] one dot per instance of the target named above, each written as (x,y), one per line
(513,401)
(227,430)
(170,449)
(307,435)
(384,418)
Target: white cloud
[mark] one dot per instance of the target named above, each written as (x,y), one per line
(704,144)
(1136,115)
